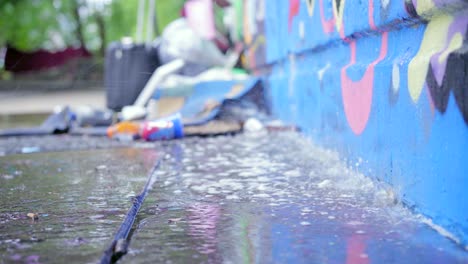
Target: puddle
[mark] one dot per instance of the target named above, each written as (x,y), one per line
(276,199)
(267,199)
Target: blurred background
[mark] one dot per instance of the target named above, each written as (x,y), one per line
(61,43)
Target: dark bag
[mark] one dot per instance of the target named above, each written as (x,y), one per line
(127,69)
(128,65)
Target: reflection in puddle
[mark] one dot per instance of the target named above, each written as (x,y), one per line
(202,220)
(243,199)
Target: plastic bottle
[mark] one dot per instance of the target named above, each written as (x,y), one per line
(163,129)
(124,128)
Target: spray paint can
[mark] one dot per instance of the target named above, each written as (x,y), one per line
(163,129)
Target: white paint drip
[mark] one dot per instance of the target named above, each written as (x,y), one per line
(385,3)
(442,231)
(395,78)
(322,71)
(301,30)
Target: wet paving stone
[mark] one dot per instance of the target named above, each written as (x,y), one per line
(263,198)
(79,198)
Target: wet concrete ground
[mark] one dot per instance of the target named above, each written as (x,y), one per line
(273,198)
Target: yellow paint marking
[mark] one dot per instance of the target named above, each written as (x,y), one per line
(433,41)
(310,7)
(423,6)
(338,14)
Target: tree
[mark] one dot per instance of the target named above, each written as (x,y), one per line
(30,25)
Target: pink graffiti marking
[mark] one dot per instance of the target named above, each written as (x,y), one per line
(357,96)
(371,15)
(327,25)
(293,11)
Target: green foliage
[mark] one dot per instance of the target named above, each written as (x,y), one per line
(168,11)
(33,24)
(123,18)
(121,21)
(28,24)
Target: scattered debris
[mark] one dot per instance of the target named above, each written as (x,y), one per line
(212,128)
(174,220)
(33,216)
(27,150)
(123,128)
(32,259)
(253,125)
(8,177)
(77,242)
(279,126)
(57,123)
(86,116)
(101,167)
(167,128)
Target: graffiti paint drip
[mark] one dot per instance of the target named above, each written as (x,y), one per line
(357,96)
(293,11)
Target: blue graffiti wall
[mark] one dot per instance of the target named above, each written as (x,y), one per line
(383,82)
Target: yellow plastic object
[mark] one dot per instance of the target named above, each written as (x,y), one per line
(127,128)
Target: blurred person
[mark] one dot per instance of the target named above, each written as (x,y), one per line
(199,37)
